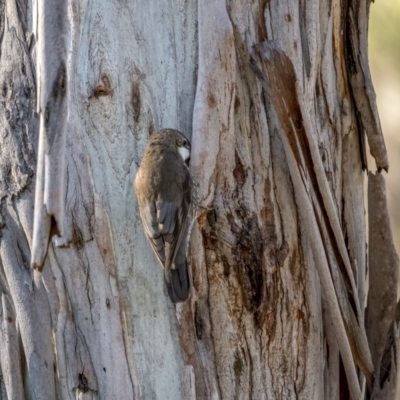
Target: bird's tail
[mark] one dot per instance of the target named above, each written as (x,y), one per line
(177,282)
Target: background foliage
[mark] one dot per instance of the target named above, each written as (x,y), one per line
(384,54)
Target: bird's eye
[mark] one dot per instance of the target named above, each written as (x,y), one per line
(184,143)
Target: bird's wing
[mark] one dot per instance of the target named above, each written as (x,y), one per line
(148,215)
(172,219)
(164,222)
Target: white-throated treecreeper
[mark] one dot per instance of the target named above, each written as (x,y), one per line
(163,187)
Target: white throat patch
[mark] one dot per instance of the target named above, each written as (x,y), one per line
(184,153)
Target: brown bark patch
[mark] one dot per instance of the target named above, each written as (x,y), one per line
(103,89)
(60,83)
(151,129)
(237,104)
(248,256)
(226,266)
(136,101)
(198,323)
(77,238)
(207,224)
(237,364)
(239,173)
(267,216)
(262,30)
(211,101)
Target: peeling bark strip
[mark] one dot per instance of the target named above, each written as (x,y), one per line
(356,25)
(382,296)
(9,352)
(279,81)
(27,360)
(52,108)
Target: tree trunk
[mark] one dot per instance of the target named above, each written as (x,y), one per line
(276,98)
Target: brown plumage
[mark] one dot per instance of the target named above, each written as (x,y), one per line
(163,187)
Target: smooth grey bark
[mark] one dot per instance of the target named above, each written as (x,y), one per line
(275,97)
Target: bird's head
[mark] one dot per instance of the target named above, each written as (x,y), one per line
(183,147)
(175,139)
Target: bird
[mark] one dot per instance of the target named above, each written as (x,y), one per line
(165,194)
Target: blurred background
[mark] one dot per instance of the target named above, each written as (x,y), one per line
(384,57)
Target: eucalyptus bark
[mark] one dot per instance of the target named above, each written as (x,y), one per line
(276,98)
